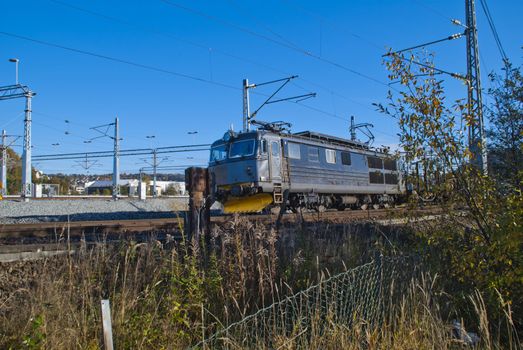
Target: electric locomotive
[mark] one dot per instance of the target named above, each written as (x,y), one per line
(268,167)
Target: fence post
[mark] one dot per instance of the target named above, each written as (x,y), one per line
(198,218)
(106,324)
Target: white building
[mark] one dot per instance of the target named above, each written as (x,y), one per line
(178,187)
(99,186)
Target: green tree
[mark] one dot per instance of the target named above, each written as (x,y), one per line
(479,241)
(506,127)
(14,172)
(170,190)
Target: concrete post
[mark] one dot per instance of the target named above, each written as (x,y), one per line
(116,161)
(26,155)
(3,172)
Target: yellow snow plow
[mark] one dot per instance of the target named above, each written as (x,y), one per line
(248,204)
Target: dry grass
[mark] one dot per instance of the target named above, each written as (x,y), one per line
(415,322)
(157,292)
(172,296)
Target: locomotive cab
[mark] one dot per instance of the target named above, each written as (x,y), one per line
(240,171)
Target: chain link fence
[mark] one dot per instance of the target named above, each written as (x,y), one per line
(367,292)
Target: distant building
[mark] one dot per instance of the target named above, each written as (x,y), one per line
(173,188)
(45,190)
(128,187)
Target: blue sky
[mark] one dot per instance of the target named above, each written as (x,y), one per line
(221,42)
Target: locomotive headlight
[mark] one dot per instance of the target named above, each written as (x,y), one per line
(248,170)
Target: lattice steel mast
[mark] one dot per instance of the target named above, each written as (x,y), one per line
(477,138)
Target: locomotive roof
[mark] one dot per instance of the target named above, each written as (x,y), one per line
(309,136)
(316,136)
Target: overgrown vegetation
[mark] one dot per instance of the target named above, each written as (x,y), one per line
(506,128)
(173,295)
(479,244)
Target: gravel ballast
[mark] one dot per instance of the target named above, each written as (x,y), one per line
(34,211)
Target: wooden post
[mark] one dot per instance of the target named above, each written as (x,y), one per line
(198,218)
(107,326)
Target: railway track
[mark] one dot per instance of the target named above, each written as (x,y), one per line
(77,228)
(40,240)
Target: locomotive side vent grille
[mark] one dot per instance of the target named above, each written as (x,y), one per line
(390,164)
(375,162)
(391,179)
(376,177)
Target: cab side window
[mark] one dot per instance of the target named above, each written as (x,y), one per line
(330,156)
(294,150)
(263,148)
(275,149)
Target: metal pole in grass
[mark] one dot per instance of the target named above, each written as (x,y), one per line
(106,323)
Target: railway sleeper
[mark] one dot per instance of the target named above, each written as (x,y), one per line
(321,202)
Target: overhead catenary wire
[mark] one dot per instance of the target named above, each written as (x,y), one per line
(323,19)
(260,23)
(433,10)
(162,70)
(272,40)
(64,132)
(12,120)
(492,26)
(168,35)
(119,60)
(143,66)
(211,50)
(68,119)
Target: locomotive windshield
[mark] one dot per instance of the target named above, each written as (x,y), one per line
(218,153)
(241,149)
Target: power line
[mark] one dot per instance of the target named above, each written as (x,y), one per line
(59,130)
(119,60)
(332,24)
(139,65)
(211,49)
(277,42)
(433,9)
(260,23)
(168,35)
(12,120)
(494,30)
(47,115)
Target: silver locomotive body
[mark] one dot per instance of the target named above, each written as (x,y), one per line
(250,171)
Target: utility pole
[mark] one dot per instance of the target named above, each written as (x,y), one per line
(18,91)
(246,107)
(248,117)
(104,131)
(352,129)
(26,155)
(116,161)
(155,165)
(477,137)
(3,173)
